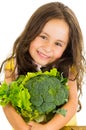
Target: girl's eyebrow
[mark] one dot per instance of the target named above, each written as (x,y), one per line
(45,33)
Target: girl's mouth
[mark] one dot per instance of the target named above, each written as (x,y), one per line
(42,55)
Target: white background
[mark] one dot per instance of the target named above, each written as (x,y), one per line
(13,17)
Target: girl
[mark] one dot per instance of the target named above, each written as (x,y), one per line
(51,38)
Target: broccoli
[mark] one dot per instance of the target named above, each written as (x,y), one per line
(37,96)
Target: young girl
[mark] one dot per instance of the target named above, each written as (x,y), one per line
(51,38)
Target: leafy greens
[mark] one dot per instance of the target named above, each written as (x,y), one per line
(36,96)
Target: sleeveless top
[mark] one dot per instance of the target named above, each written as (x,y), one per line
(10,65)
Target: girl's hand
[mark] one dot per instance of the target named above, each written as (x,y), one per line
(29,127)
(37,126)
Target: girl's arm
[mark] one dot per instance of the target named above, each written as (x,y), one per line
(13,117)
(60,121)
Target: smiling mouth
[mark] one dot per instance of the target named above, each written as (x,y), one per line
(43,55)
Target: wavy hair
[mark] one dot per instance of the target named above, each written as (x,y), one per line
(71,56)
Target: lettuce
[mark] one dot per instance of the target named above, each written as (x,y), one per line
(37,96)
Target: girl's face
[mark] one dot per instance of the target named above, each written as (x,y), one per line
(50,44)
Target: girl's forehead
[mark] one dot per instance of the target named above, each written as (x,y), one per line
(57,28)
(56,23)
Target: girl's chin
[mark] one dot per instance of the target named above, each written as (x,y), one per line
(39,62)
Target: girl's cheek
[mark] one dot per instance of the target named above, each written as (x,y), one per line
(59,54)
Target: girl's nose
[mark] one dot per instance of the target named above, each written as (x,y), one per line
(48,47)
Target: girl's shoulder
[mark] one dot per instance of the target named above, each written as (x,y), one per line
(10,64)
(72,73)
(9,69)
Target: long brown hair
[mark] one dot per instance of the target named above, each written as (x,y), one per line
(71,56)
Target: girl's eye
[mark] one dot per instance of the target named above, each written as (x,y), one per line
(43,37)
(59,44)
